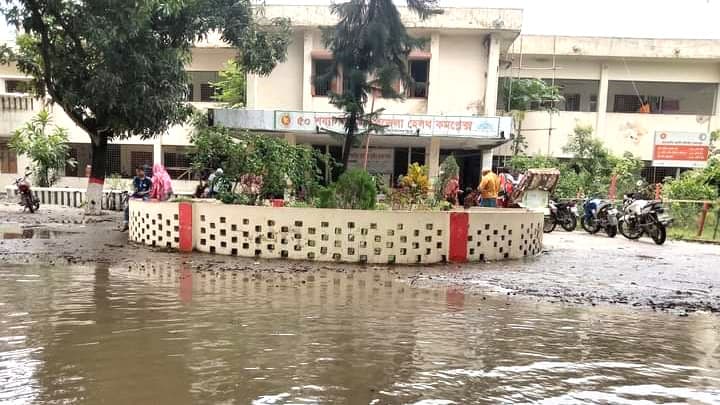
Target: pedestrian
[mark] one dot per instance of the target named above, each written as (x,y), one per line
(489,187)
(507,182)
(161,184)
(214,182)
(141,190)
(452,189)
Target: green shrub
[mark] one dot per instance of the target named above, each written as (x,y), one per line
(326,197)
(355,189)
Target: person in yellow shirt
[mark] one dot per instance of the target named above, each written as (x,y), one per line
(489,188)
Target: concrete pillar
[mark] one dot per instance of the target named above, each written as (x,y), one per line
(157,150)
(433,158)
(2,86)
(291,139)
(434,104)
(487,158)
(491,84)
(251,87)
(307,71)
(602,100)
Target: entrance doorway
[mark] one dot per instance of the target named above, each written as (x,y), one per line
(469,162)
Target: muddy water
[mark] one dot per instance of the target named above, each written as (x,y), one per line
(17,231)
(162,334)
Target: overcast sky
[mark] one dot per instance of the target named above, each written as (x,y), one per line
(628,18)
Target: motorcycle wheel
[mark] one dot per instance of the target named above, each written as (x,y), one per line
(570,223)
(28,202)
(549,224)
(592,229)
(622,225)
(611,231)
(658,233)
(36,204)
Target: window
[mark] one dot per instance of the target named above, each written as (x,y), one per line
(199,87)
(8,159)
(662,97)
(593,102)
(113,166)
(626,103)
(177,164)
(141,159)
(207,92)
(322,79)
(572,102)
(17,86)
(420,73)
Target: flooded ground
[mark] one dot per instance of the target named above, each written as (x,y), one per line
(18,231)
(166,334)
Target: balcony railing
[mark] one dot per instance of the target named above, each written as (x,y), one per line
(17,102)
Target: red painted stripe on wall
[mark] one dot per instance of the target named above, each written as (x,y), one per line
(185,216)
(459,225)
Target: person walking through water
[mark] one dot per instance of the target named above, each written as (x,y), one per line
(489,187)
(141,189)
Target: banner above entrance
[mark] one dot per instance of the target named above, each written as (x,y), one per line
(399,124)
(681,149)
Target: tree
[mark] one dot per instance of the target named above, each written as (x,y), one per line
(448,169)
(523,95)
(370,46)
(231,86)
(117,67)
(48,150)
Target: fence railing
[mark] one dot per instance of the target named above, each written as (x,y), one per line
(17,102)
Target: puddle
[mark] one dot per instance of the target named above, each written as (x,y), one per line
(165,334)
(16,231)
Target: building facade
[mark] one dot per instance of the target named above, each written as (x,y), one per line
(456,106)
(605,81)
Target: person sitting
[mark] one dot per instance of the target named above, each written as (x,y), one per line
(214,181)
(141,189)
(161,184)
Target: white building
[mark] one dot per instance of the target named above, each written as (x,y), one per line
(455,105)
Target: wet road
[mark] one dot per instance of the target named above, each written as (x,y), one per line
(166,334)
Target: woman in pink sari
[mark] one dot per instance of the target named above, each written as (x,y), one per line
(161,183)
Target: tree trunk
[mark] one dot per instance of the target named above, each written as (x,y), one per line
(97,175)
(349,138)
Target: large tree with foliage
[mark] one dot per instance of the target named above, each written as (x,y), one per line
(523,95)
(117,67)
(370,46)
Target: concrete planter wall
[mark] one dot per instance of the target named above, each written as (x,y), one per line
(338,235)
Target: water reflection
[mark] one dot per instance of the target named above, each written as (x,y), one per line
(16,231)
(163,334)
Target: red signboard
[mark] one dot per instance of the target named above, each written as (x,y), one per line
(682,152)
(681,149)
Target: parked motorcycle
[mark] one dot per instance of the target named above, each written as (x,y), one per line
(642,216)
(600,215)
(27,199)
(561,213)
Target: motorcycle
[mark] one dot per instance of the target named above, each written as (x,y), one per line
(600,214)
(642,216)
(564,214)
(27,199)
